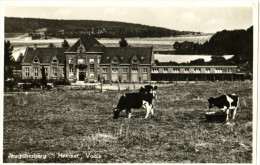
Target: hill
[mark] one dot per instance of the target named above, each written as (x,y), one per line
(75,28)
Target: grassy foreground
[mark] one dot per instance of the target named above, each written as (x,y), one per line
(77,126)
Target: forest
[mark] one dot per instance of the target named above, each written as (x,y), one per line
(96,28)
(235,42)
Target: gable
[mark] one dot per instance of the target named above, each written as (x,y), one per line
(44,55)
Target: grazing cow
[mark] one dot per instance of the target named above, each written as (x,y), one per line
(225,103)
(144,98)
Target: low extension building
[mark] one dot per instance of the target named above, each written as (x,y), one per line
(90,61)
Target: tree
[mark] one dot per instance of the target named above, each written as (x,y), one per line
(9,59)
(51,45)
(65,44)
(123,42)
(18,62)
(44,79)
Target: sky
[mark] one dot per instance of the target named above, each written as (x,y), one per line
(199,19)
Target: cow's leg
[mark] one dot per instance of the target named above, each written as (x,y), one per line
(128,112)
(227,113)
(234,113)
(148,109)
(152,110)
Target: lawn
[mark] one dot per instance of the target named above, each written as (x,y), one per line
(77,126)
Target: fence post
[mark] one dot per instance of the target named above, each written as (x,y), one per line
(101,87)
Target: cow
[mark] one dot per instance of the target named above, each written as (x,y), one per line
(225,103)
(142,99)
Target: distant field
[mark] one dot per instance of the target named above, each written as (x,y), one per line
(13,35)
(80,122)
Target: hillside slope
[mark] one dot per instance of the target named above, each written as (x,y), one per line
(74,28)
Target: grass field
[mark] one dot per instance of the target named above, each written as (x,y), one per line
(79,123)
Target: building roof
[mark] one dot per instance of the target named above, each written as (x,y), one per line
(126,54)
(89,43)
(184,58)
(44,54)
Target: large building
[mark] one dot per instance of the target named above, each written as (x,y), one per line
(89,61)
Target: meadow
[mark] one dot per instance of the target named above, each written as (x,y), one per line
(77,126)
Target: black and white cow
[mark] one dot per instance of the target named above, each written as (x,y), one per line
(142,99)
(225,103)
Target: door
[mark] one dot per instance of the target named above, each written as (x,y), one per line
(81,74)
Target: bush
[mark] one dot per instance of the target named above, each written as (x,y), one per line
(61,82)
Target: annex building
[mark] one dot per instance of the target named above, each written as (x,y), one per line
(87,60)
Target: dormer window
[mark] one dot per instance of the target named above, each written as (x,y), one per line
(142,57)
(134,61)
(122,58)
(107,57)
(81,61)
(54,61)
(115,60)
(35,61)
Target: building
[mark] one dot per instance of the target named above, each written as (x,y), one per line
(52,59)
(195,73)
(89,61)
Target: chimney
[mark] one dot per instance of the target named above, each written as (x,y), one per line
(35,47)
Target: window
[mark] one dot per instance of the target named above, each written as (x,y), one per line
(124,70)
(196,70)
(54,61)
(175,70)
(165,70)
(134,70)
(71,74)
(36,72)
(207,70)
(81,61)
(155,70)
(70,60)
(229,70)
(27,72)
(114,70)
(46,71)
(63,72)
(91,60)
(144,70)
(91,75)
(91,70)
(104,70)
(134,61)
(91,65)
(54,72)
(114,61)
(186,70)
(35,61)
(218,70)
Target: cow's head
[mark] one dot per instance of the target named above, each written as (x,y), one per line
(151,89)
(116,113)
(211,102)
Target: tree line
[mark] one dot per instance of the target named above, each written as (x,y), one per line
(236,42)
(76,28)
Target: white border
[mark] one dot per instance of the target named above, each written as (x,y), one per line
(153,3)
